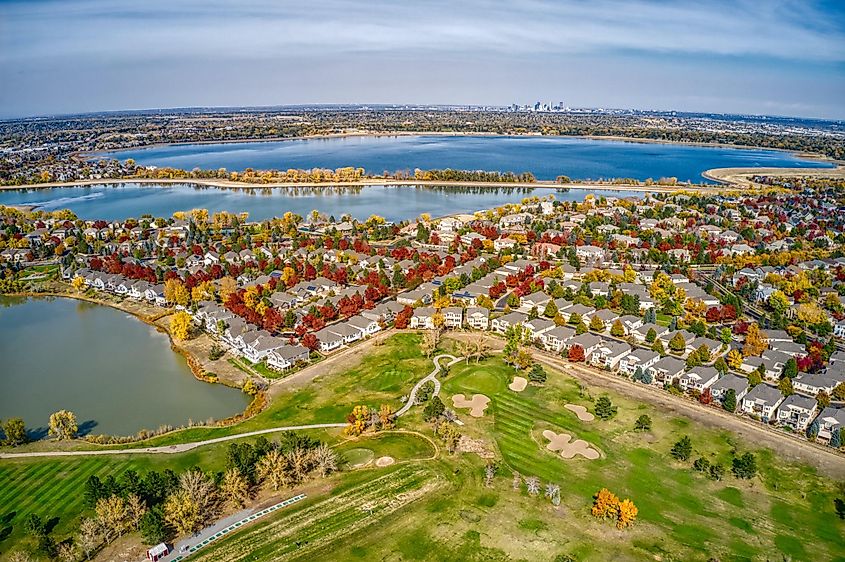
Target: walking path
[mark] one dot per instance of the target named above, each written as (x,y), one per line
(221,528)
(412,398)
(178,448)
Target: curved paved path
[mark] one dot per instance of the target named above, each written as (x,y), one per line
(179,448)
(432,376)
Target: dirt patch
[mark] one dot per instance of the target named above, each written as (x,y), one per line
(518,384)
(477,405)
(581,412)
(385,461)
(477,446)
(561,442)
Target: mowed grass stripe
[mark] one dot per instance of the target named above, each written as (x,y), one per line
(25,478)
(77,477)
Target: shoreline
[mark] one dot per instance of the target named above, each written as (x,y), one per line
(220,183)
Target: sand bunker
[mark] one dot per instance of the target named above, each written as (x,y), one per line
(385,461)
(518,384)
(580,411)
(477,405)
(560,442)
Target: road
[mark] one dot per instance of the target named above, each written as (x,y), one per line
(432,376)
(169,449)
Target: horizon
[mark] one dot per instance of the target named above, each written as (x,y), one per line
(76,57)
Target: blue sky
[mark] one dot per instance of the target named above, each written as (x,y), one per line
(779,57)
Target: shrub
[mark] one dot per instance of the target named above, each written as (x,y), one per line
(643,423)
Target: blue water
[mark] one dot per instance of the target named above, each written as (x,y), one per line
(545,157)
(395,203)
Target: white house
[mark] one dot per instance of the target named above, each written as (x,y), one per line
(609,353)
(423,317)
(453,316)
(762,401)
(797,411)
(642,358)
(831,419)
(478,318)
(698,378)
(501,324)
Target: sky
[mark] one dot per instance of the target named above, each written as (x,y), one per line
(773,57)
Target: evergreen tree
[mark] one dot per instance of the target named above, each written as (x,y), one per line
(682,449)
(729,402)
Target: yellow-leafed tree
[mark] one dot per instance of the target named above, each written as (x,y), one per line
(605,505)
(627,514)
(181,326)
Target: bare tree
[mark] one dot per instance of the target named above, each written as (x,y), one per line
(68,552)
(553,493)
(431,339)
(89,536)
(490,473)
(135,510)
(325,459)
(532,483)
(517,480)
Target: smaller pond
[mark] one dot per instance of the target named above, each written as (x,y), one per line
(116,373)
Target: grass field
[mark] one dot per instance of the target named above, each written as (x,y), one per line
(439,509)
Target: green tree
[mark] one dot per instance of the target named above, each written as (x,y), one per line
(785,386)
(617,329)
(537,374)
(643,423)
(433,409)
(651,335)
(754,379)
(729,401)
(604,408)
(744,467)
(677,344)
(550,310)
(682,449)
(721,366)
(581,328)
(657,347)
(154,529)
(790,369)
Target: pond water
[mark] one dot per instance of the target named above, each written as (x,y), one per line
(116,373)
(395,203)
(545,156)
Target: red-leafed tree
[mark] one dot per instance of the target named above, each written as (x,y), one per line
(576,354)
(310,341)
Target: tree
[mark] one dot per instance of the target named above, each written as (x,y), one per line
(111,515)
(657,347)
(537,374)
(651,335)
(682,449)
(181,326)
(552,493)
(627,514)
(605,505)
(78,283)
(63,425)
(357,420)
(433,409)
(581,328)
(813,430)
(839,391)
(836,438)
(701,465)
(385,416)
(88,537)
(175,292)
(785,386)
(823,398)
(550,310)
(604,408)
(325,459)
(754,378)
(135,510)
(272,469)
(735,359)
(643,423)
(15,431)
(576,354)
(235,488)
(729,401)
(532,485)
(194,503)
(721,366)
(717,471)
(430,341)
(744,467)
(677,344)
(755,341)
(790,369)
(617,329)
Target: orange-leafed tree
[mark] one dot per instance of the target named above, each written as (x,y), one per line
(627,514)
(576,354)
(605,505)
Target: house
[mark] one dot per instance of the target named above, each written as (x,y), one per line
(367,326)
(155,295)
(286,357)
(719,389)
(329,341)
(347,332)
(478,318)
(666,369)
(423,317)
(584,311)
(588,342)
(537,326)
(609,353)
(831,419)
(412,297)
(537,300)
(642,358)
(698,378)
(607,317)
(630,323)
(762,401)
(453,316)
(555,338)
(589,253)
(797,411)
(813,383)
(501,324)
(640,333)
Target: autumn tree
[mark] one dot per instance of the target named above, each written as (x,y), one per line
(734,359)
(15,431)
(78,283)
(576,354)
(627,514)
(175,292)
(357,420)
(605,505)
(755,341)
(235,488)
(617,329)
(192,504)
(596,324)
(63,425)
(272,469)
(181,326)
(111,515)
(677,344)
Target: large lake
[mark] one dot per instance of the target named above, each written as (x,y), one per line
(395,203)
(545,157)
(116,373)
